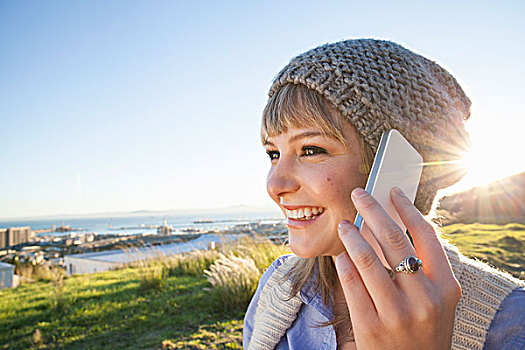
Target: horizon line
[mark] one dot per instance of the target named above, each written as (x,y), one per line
(117,213)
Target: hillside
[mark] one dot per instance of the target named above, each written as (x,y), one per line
(110,310)
(499,202)
(499,245)
(138,308)
(159,304)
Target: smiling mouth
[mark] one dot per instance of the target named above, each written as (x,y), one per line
(304,214)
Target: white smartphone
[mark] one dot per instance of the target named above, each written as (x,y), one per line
(396,163)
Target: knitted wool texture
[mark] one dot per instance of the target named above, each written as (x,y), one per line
(483,290)
(275,312)
(379,85)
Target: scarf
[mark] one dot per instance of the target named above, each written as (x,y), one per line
(483,289)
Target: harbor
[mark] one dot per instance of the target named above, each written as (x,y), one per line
(51,246)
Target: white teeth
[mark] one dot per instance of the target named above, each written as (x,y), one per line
(306,213)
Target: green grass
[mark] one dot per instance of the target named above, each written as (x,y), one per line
(131,309)
(502,246)
(109,310)
(221,335)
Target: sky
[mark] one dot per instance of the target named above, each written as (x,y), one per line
(112,106)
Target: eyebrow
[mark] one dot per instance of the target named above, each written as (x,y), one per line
(302,135)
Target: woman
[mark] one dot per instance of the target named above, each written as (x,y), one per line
(326,112)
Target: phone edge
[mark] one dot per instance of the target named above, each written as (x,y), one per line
(370,183)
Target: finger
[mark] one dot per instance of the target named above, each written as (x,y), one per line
(423,234)
(393,242)
(375,277)
(359,302)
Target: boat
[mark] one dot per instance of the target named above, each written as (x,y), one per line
(203,221)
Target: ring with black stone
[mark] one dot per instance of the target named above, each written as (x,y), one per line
(409,264)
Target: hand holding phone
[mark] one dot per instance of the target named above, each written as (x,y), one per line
(388,299)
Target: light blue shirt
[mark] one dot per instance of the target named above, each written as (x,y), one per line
(506,332)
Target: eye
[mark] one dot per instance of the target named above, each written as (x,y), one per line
(309,151)
(273,155)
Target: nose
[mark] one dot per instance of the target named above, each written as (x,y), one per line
(282,179)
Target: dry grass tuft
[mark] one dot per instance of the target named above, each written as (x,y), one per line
(234,280)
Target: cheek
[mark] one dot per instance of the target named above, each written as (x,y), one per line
(337,187)
(332,190)
(342,191)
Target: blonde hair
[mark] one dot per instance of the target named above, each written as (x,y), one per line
(298,106)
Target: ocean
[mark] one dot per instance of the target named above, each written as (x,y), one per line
(143,224)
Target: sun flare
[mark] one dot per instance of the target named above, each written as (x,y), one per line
(485,164)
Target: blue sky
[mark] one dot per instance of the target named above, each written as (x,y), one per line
(126,105)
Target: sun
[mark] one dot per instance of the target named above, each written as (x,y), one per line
(488,160)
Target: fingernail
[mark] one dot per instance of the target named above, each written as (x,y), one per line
(343,226)
(358,193)
(344,222)
(397,191)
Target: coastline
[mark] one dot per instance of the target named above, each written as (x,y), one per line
(49,246)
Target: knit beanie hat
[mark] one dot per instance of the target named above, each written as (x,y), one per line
(379,85)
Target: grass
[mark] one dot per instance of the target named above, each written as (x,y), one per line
(192,264)
(221,335)
(168,303)
(233,280)
(499,245)
(106,311)
(124,309)
(30,272)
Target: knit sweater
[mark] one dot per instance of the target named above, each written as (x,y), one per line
(483,289)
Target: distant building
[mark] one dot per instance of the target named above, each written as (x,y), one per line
(12,236)
(109,260)
(7,272)
(164,229)
(3,238)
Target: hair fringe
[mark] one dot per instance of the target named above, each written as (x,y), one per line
(296,106)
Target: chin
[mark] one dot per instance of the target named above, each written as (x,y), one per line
(302,253)
(308,250)
(299,249)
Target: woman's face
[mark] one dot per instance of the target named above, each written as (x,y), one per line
(311,178)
